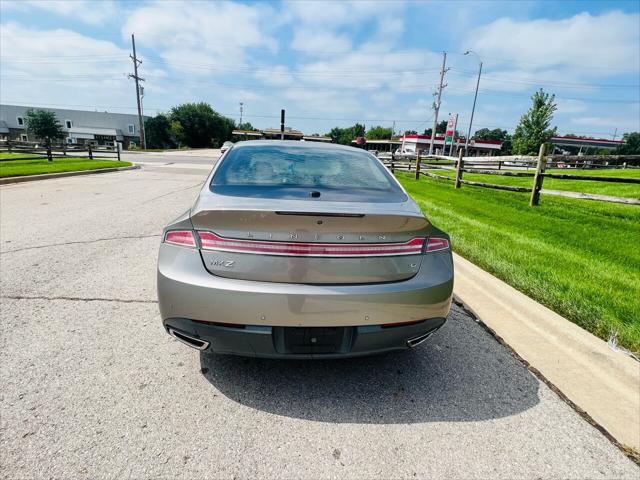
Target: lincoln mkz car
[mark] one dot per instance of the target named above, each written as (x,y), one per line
(303,250)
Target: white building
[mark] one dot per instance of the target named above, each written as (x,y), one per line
(80,127)
(409,144)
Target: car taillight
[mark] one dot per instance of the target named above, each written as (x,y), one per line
(183,238)
(211,241)
(436,244)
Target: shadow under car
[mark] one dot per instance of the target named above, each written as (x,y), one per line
(460,374)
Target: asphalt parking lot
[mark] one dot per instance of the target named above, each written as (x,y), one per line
(92,387)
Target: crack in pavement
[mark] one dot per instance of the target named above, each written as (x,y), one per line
(132,237)
(172,192)
(77,299)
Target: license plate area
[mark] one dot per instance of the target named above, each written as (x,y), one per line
(313,340)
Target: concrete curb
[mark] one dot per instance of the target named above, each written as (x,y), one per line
(600,383)
(47,176)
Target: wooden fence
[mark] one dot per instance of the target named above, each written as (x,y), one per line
(521,166)
(39,151)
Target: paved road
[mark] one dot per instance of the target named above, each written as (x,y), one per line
(202,156)
(92,387)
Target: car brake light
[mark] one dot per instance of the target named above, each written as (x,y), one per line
(183,238)
(436,244)
(211,241)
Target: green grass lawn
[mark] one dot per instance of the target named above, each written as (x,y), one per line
(16,168)
(19,156)
(626,190)
(578,257)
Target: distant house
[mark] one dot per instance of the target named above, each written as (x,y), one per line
(80,127)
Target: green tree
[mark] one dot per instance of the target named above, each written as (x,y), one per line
(199,125)
(379,133)
(496,134)
(43,124)
(534,127)
(631,146)
(487,134)
(158,132)
(440,128)
(246,127)
(410,132)
(345,136)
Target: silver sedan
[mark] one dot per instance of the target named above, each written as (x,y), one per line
(303,250)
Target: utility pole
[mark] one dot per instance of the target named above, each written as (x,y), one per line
(282,124)
(436,104)
(144,133)
(138,79)
(475,97)
(240,114)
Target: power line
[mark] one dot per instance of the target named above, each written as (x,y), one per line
(551,82)
(188,81)
(389,120)
(399,52)
(342,73)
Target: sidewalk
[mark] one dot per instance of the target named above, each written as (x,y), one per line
(602,382)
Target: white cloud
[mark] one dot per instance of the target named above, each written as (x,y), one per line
(621,123)
(86,11)
(571,106)
(328,28)
(600,44)
(319,41)
(213,35)
(277,75)
(38,68)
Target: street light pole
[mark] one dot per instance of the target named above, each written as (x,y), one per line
(475,97)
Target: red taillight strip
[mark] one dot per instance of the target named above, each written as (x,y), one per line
(211,241)
(183,238)
(436,244)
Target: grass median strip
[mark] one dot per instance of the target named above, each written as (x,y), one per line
(18,168)
(578,258)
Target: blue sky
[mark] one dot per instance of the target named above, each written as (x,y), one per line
(331,63)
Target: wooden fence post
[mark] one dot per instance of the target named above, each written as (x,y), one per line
(459,169)
(538,178)
(118,149)
(417,164)
(49,156)
(64,149)
(9,145)
(90,153)
(392,158)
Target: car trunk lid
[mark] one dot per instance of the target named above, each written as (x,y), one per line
(313,244)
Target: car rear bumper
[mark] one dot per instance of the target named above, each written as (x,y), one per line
(188,293)
(276,342)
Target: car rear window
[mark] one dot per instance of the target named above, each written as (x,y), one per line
(278,170)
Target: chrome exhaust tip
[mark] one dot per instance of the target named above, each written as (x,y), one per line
(413,342)
(187,340)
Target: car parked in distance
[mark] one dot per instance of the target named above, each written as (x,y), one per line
(226,146)
(303,250)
